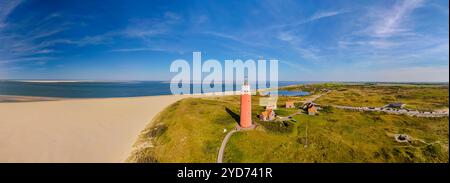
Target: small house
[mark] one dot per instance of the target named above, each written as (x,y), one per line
(310,108)
(290,104)
(267,115)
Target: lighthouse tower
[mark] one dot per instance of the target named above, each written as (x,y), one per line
(246,106)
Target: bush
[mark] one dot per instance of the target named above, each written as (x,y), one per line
(327,109)
(145,156)
(432,151)
(146,159)
(158,130)
(277,126)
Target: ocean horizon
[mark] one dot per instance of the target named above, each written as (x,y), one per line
(98,89)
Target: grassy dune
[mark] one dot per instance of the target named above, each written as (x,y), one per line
(192,129)
(344,136)
(425,98)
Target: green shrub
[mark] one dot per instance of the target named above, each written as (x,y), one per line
(432,151)
(277,126)
(157,131)
(327,109)
(145,156)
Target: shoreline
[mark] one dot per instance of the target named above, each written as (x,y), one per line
(23,98)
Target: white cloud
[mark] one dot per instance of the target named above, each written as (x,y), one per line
(7,7)
(26,45)
(287,33)
(172,16)
(44,51)
(297,65)
(242,38)
(324,14)
(144,28)
(315,17)
(389,38)
(285,36)
(391,22)
(25,59)
(140,49)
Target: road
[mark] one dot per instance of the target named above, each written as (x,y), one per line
(290,116)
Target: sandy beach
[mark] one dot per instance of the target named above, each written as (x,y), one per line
(76,130)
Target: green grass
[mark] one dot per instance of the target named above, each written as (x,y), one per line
(415,97)
(194,131)
(344,136)
(191,130)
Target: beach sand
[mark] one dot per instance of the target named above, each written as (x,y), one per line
(76,130)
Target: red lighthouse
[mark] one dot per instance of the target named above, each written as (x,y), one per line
(246,106)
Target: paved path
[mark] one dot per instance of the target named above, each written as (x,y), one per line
(290,116)
(314,97)
(224,143)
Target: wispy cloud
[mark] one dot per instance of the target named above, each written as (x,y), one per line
(24,41)
(315,17)
(94,40)
(285,32)
(319,37)
(6,7)
(131,49)
(242,38)
(25,59)
(31,39)
(324,14)
(141,49)
(295,43)
(171,16)
(145,28)
(288,33)
(296,65)
(388,29)
(392,21)
(286,36)
(222,35)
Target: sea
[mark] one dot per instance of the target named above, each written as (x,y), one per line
(96,89)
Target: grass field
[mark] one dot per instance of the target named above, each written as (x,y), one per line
(344,136)
(192,129)
(424,98)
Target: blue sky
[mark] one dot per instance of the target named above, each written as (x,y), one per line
(313,40)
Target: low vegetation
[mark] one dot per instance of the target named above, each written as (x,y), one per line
(191,130)
(345,136)
(424,98)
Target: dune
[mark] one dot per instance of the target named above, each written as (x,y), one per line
(79,130)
